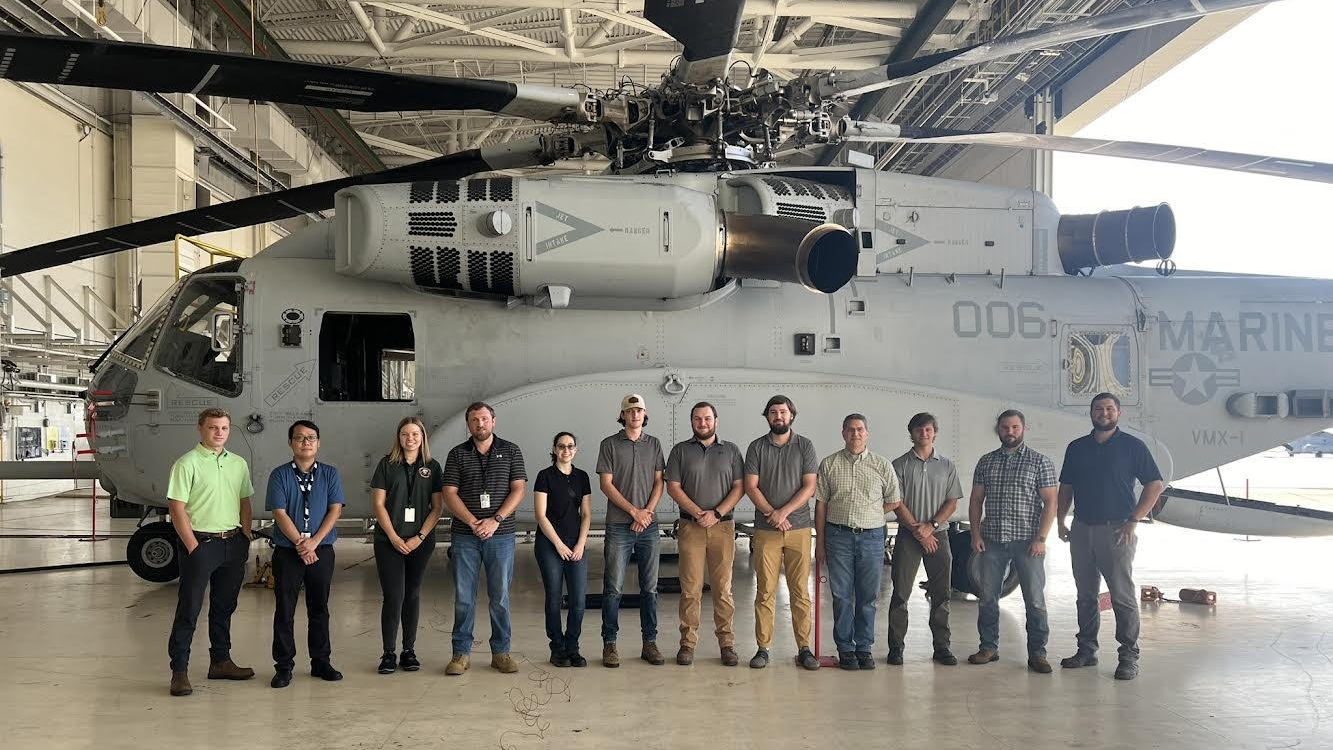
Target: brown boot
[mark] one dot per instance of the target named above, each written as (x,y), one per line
(1039,664)
(180,684)
(685,656)
(984,656)
(227,670)
(729,657)
(458,665)
(651,654)
(610,658)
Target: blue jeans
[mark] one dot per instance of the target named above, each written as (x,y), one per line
(558,573)
(621,542)
(470,554)
(1031,578)
(855,568)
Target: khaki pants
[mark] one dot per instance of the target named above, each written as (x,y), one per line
(775,551)
(713,549)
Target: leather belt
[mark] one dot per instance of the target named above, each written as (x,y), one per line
(217,534)
(855,529)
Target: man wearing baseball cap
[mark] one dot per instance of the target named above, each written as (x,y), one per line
(630,464)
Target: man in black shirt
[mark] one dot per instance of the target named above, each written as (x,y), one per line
(484,481)
(1098,480)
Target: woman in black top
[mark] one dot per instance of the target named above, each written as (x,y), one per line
(407,498)
(563,496)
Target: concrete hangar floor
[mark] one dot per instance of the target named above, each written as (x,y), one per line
(83,665)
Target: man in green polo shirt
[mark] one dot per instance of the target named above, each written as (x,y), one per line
(209,504)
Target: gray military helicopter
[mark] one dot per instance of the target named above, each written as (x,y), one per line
(1318,443)
(696,269)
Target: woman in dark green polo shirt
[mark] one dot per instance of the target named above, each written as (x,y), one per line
(406,497)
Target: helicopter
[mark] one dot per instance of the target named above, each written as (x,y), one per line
(696,268)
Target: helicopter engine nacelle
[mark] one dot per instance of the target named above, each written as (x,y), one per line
(553,238)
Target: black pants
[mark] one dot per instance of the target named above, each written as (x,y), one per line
(400,579)
(219,566)
(289,574)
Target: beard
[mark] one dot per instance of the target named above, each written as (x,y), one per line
(1097,426)
(705,435)
(781,429)
(1011,442)
(481,436)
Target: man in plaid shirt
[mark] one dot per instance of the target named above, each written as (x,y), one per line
(1017,488)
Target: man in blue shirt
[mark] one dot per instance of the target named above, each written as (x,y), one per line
(306,498)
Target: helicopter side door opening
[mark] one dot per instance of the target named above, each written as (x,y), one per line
(367,357)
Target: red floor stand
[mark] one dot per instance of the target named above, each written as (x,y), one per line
(824,661)
(90,435)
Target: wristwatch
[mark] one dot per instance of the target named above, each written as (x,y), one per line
(421,536)
(934,524)
(714,511)
(498,518)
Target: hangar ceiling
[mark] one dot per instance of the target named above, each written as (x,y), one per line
(605,44)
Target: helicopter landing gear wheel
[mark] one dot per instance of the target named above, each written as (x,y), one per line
(154,552)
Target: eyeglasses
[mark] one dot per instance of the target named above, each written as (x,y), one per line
(565,446)
(306,439)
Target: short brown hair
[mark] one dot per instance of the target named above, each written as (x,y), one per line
(213,413)
(921,420)
(701,405)
(478,406)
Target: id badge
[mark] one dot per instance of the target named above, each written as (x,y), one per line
(409,515)
(305,534)
(485,500)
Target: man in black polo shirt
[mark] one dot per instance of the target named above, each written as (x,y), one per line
(484,481)
(1098,480)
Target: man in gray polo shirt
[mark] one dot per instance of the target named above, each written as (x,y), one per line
(630,466)
(780,472)
(931,491)
(703,476)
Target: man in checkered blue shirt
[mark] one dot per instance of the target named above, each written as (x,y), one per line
(1017,488)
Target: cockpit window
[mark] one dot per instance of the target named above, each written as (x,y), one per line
(201,341)
(140,340)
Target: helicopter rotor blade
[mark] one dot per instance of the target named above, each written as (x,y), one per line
(283,204)
(843,85)
(106,63)
(1272,166)
(707,28)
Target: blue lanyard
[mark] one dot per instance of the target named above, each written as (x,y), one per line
(305,483)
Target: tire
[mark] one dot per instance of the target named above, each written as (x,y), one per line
(967,567)
(153,552)
(1318,454)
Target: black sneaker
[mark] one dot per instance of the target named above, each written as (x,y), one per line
(864,660)
(847,660)
(325,671)
(559,659)
(895,656)
(944,656)
(388,663)
(408,660)
(808,660)
(760,659)
(281,679)
(576,660)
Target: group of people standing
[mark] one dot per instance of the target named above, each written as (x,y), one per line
(1015,500)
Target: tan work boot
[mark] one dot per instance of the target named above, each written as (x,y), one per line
(458,665)
(651,654)
(1039,664)
(227,670)
(180,684)
(504,663)
(984,656)
(685,656)
(610,658)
